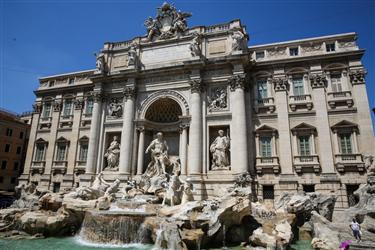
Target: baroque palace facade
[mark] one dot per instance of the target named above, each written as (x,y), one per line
(294,114)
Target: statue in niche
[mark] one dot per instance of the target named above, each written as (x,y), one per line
(219,150)
(113,155)
(159,156)
(115,109)
(100,62)
(194,47)
(238,40)
(218,100)
(132,54)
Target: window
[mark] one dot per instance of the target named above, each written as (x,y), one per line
(89,106)
(47,110)
(13,180)
(293,51)
(61,151)
(259,55)
(67,107)
(304,145)
(83,151)
(9,132)
(350,189)
(7,148)
(262,88)
(15,166)
(19,148)
(51,83)
(346,143)
(298,88)
(308,188)
(39,151)
(21,135)
(265,146)
(268,192)
(71,80)
(3,164)
(330,47)
(1,179)
(56,187)
(336,83)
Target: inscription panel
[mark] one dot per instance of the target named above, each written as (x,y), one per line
(217,47)
(161,55)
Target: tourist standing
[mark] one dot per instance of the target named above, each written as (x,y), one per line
(356,229)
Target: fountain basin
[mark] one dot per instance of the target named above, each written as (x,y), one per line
(115,227)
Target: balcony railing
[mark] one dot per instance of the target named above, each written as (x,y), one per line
(303,101)
(348,158)
(59,167)
(345,162)
(337,98)
(306,158)
(267,163)
(265,103)
(38,166)
(306,163)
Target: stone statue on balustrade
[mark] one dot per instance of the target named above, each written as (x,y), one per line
(218,100)
(194,46)
(132,55)
(112,155)
(238,40)
(220,152)
(100,63)
(115,109)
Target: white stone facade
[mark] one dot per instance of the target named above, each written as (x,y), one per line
(296,112)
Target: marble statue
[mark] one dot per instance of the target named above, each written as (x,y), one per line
(187,191)
(219,150)
(159,156)
(115,109)
(194,47)
(113,155)
(97,189)
(132,54)
(112,189)
(168,23)
(218,100)
(173,193)
(100,62)
(238,40)
(369,164)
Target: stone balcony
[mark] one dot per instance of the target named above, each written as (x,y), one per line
(265,104)
(59,167)
(45,122)
(37,167)
(300,102)
(349,163)
(306,164)
(343,98)
(267,165)
(80,167)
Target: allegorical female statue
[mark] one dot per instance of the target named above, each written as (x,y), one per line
(113,155)
(219,150)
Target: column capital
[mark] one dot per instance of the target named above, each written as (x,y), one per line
(79,103)
(196,85)
(129,93)
(237,81)
(37,107)
(57,105)
(357,76)
(181,127)
(140,128)
(280,83)
(318,80)
(97,96)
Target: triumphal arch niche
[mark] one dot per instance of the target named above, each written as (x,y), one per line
(181,86)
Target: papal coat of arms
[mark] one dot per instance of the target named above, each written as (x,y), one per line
(167,24)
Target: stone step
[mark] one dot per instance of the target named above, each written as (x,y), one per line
(362,246)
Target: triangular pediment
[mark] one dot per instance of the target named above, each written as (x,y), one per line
(345,124)
(265,128)
(303,126)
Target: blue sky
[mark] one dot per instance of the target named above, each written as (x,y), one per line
(46,37)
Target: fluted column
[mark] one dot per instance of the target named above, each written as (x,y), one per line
(94,133)
(183,148)
(239,136)
(195,133)
(127,131)
(141,148)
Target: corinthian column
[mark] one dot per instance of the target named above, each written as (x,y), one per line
(239,138)
(94,133)
(195,133)
(127,131)
(183,147)
(141,150)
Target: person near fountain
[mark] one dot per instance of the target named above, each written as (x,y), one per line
(356,229)
(219,149)
(113,155)
(159,156)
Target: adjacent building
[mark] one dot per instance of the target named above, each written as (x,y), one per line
(296,113)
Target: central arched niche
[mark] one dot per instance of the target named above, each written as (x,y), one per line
(164,110)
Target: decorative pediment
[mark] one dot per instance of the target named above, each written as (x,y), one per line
(304,127)
(41,140)
(265,129)
(83,138)
(345,124)
(62,139)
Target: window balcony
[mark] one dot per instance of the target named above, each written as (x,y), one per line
(59,167)
(45,119)
(343,98)
(267,165)
(67,117)
(265,104)
(349,163)
(37,167)
(80,167)
(300,102)
(306,164)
